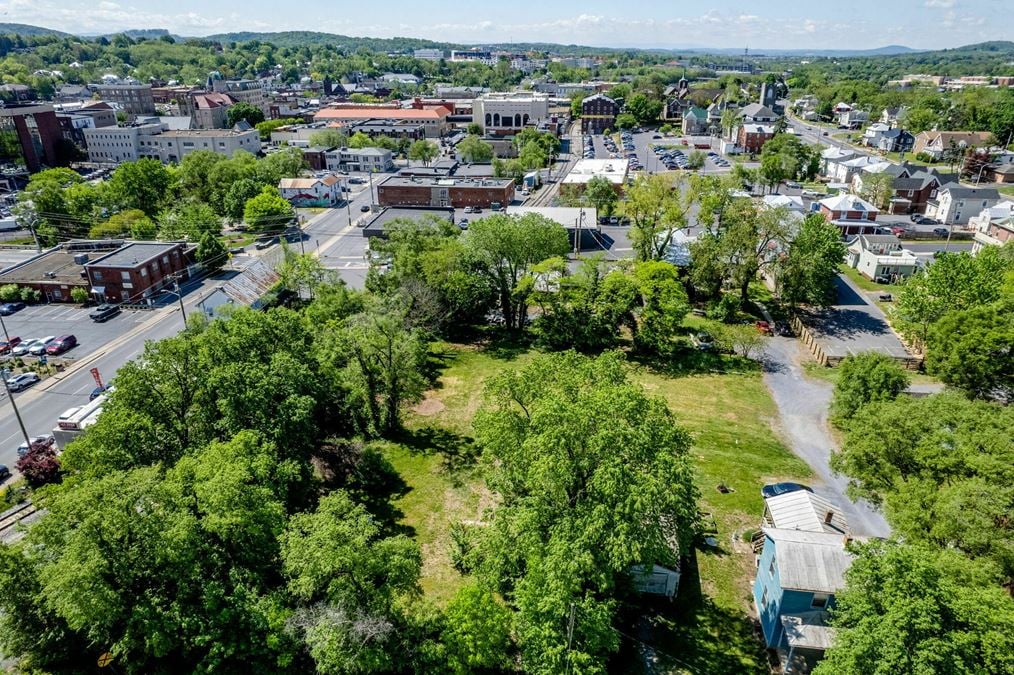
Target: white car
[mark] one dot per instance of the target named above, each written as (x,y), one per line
(39,348)
(24,346)
(22,381)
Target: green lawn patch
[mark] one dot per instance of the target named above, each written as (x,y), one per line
(864,283)
(720,399)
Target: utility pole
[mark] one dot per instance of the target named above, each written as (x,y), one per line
(17,413)
(6,334)
(577,234)
(179,296)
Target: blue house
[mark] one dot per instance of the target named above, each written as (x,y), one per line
(801,566)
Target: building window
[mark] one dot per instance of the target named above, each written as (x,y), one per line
(771,568)
(819,601)
(144,272)
(764,598)
(125,275)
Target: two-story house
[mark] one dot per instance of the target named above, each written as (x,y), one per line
(937,143)
(880,256)
(752,136)
(324,191)
(994,226)
(956,204)
(851,214)
(912,188)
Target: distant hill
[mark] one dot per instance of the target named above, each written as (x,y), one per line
(301,37)
(26,29)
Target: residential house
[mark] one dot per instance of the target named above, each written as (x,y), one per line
(833,155)
(799,572)
(853,119)
(843,170)
(892,115)
(913,187)
(994,226)
(695,122)
(852,214)
(1001,173)
(804,510)
(755,112)
(937,143)
(323,191)
(880,256)
(887,139)
(752,137)
(598,113)
(955,204)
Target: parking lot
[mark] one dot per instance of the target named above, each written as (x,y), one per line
(44,320)
(641,144)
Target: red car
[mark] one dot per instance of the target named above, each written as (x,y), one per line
(7,345)
(764,327)
(61,344)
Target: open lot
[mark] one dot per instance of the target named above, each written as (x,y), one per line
(709,624)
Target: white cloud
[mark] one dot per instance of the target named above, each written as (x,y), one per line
(940,4)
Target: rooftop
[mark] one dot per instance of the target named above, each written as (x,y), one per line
(410,181)
(584,170)
(804,510)
(567,216)
(57,264)
(381,113)
(810,561)
(378,224)
(204,133)
(134,254)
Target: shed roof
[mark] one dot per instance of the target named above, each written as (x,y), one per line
(808,630)
(804,510)
(810,561)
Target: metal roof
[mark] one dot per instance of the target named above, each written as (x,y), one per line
(135,253)
(810,561)
(808,630)
(803,510)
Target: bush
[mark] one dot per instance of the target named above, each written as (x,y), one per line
(39,465)
(30,295)
(866,378)
(923,157)
(725,310)
(79,295)
(10,292)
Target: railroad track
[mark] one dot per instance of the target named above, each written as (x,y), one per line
(13,516)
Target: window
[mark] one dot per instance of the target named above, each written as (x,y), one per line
(165,260)
(771,568)
(125,275)
(764,598)
(144,272)
(819,601)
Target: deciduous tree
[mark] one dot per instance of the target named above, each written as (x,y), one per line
(866,378)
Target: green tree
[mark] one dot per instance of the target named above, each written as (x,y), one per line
(142,185)
(423,151)
(695,160)
(592,476)
(962,623)
(477,632)
(329,138)
(625,121)
(188,221)
(644,109)
(866,378)
(130,223)
(474,150)
(268,211)
(238,194)
(507,248)
(193,175)
(211,252)
(973,350)
(267,126)
(473,129)
(602,195)
(807,272)
(244,112)
(657,206)
(878,189)
(664,304)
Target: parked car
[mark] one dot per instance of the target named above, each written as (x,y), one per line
(22,381)
(792,184)
(763,327)
(104,312)
(265,243)
(9,308)
(40,346)
(941,231)
(775,489)
(22,348)
(364,208)
(61,344)
(8,345)
(5,473)
(463,223)
(897,230)
(38,442)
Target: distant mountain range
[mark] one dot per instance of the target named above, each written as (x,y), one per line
(296,38)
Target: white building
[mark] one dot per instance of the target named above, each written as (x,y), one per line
(120,144)
(324,191)
(499,112)
(994,226)
(956,204)
(613,170)
(428,54)
(880,256)
(374,160)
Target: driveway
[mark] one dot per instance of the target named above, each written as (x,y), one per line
(803,407)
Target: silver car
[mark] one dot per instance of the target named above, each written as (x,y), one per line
(39,348)
(24,346)
(22,381)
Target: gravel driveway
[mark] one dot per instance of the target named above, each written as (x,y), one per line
(803,406)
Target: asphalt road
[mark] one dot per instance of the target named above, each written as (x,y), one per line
(803,409)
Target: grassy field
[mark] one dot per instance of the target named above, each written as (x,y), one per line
(721,400)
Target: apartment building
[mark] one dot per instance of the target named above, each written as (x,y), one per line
(134,99)
(112,145)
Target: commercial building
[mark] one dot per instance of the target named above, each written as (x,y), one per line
(613,170)
(375,160)
(507,113)
(433,120)
(379,223)
(428,54)
(482,56)
(211,111)
(444,192)
(133,99)
(30,136)
(137,271)
(753,136)
(121,144)
(598,113)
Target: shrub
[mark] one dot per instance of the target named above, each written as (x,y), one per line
(30,295)
(923,157)
(79,295)
(39,465)
(866,378)
(9,292)
(726,309)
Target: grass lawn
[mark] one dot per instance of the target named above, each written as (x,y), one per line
(721,400)
(1006,190)
(863,282)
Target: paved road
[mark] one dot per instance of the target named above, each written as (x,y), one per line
(803,408)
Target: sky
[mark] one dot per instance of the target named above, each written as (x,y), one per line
(757,24)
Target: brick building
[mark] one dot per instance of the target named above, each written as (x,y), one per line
(30,136)
(137,271)
(598,113)
(753,136)
(410,191)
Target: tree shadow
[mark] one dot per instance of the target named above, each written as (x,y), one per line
(504,344)
(458,452)
(684,361)
(689,634)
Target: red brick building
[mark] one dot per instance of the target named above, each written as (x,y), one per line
(30,136)
(753,136)
(443,192)
(137,271)
(851,214)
